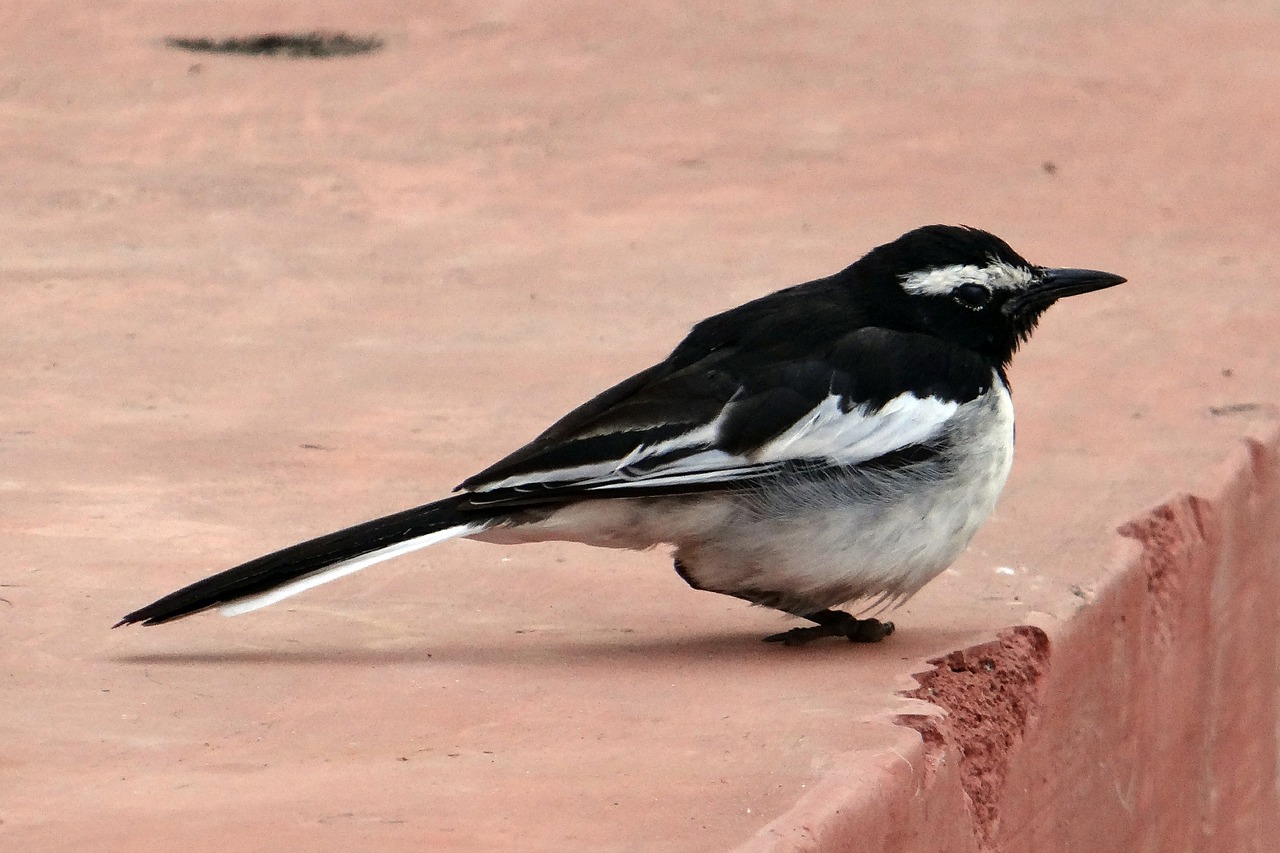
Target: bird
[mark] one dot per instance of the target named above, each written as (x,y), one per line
(835,442)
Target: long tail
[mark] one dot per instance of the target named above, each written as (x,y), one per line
(270,578)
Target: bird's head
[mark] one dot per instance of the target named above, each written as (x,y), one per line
(966,286)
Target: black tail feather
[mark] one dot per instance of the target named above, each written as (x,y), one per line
(288,564)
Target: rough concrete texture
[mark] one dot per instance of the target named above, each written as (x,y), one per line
(249,300)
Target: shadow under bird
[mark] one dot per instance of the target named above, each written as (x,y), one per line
(837,441)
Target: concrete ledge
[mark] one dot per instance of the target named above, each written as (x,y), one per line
(1146,722)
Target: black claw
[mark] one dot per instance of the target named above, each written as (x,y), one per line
(834,623)
(869,631)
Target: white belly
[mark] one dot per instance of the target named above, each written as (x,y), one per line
(819,544)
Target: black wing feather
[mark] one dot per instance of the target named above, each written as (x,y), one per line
(760,367)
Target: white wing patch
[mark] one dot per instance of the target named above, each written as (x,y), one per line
(825,433)
(941,281)
(847,438)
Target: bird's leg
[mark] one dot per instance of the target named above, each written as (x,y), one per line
(828,623)
(834,623)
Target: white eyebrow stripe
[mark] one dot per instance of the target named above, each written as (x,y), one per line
(942,280)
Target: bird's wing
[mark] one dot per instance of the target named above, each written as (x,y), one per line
(736,413)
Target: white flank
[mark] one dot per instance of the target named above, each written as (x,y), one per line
(346,567)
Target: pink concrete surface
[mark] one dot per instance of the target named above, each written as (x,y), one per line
(251,300)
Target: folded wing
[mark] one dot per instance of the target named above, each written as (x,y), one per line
(736,414)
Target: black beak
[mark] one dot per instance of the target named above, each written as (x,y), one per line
(1054,284)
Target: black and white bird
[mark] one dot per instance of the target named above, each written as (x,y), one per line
(837,441)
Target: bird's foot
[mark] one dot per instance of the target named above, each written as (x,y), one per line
(834,623)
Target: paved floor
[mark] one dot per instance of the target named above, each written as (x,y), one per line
(250,300)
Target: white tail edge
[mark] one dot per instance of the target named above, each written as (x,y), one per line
(344,568)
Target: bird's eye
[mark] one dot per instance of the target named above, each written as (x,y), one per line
(972,295)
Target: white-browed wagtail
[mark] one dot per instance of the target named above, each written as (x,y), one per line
(838,441)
